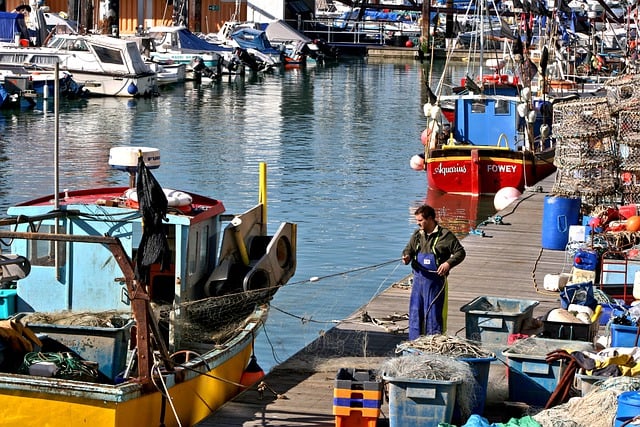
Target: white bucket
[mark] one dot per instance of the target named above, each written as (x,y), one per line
(636,285)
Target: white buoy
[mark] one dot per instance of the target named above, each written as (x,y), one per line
(504,197)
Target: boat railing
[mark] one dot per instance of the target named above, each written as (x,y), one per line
(339,30)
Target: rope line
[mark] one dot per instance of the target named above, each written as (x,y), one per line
(344,273)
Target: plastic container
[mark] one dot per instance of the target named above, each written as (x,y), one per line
(570,331)
(558,214)
(107,347)
(628,407)
(491,320)
(530,378)
(586,259)
(623,335)
(357,397)
(7,303)
(480,367)
(416,402)
(586,383)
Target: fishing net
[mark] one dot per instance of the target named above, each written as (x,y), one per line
(104,319)
(213,319)
(153,203)
(597,408)
(580,119)
(438,368)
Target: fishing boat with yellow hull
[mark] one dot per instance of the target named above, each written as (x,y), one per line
(134,306)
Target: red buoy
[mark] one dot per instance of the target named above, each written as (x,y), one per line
(252,374)
(409,43)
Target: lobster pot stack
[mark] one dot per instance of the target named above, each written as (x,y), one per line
(586,150)
(629,148)
(623,93)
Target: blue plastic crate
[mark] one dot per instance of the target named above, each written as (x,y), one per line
(7,303)
(416,402)
(531,379)
(106,346)
(491,320)
(623,335)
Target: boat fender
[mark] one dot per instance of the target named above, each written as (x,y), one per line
(433,129)
(175,198)
(132,89)
(545,131)
(531,116)
(523,109)
(435,112)
(427,109)
(526,94)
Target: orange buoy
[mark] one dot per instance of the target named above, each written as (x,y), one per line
(252,374)
(633,223)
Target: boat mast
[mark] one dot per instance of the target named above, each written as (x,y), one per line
(481,38)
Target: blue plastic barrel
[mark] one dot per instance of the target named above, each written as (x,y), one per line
(628,407)
(559,213)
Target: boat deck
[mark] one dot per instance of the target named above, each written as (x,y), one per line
(507,262)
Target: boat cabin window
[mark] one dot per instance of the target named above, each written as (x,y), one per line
(108,55)
(41,252)
(478,107)
(501,106)
(13,58)
(44,59)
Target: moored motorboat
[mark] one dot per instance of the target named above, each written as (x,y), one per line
(104,66)
(145,304)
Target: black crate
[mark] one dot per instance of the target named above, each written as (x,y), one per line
(570,331)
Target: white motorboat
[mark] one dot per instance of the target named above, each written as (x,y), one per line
(105,66)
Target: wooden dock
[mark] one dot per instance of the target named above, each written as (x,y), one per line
(506,262)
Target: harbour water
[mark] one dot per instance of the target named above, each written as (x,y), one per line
(337,140)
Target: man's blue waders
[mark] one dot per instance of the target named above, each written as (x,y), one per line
(427,299)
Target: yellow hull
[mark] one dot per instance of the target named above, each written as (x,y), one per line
(36,401)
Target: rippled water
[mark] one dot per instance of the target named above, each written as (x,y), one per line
(337,140)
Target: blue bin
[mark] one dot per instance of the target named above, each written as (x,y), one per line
(558,214)
(480,367)
(7,303)
(420,402)
(531,379)
(628,407)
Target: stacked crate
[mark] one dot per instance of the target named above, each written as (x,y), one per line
(357,397)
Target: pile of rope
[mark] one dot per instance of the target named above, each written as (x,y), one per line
(452,346)
(435,368)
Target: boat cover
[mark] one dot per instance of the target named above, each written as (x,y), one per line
(189,41)
(10,24)
(281,32)
(250,38)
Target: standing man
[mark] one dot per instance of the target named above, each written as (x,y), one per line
(433,251)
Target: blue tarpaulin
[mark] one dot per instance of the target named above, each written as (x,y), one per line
(10,24)
(249,38)
(190,41)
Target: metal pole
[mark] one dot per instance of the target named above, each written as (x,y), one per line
(56,164)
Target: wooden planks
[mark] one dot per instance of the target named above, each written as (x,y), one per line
(507,262)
